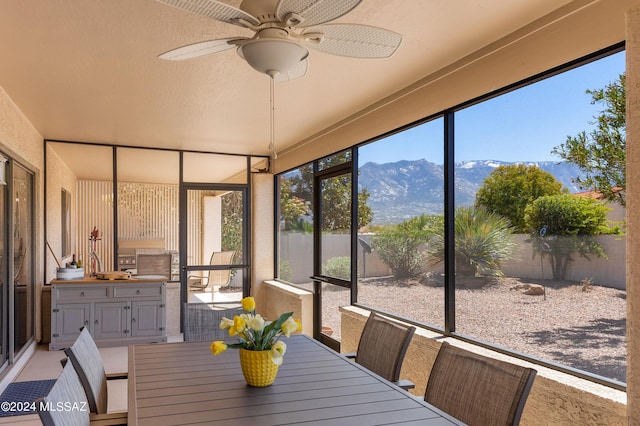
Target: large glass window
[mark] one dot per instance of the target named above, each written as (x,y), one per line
(80,178)
(148,211)
(153,212)
(536,241)
(295,230)
(401,181)
(532,274)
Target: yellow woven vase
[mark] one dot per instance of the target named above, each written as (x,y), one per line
(257,367)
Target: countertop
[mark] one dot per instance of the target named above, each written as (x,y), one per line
(93,280)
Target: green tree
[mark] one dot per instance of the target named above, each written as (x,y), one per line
(292,208)
(232,223)
(508,190)
(600,154)
(336,195)
(399,246)
(483,242)
(565,224)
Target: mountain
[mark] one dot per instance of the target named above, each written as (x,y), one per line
(405,189)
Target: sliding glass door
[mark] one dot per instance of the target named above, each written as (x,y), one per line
(22,232)
(16,261)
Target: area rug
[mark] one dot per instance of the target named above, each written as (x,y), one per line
(17,399)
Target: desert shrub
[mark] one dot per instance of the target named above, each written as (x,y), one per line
(399,246)
(338,267)
(561,225)
(483,242)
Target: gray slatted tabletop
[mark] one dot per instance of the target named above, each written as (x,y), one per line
(182,383)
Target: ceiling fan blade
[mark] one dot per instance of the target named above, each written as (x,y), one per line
(313,12)
(214,10)
(199,49)
(352,40)
(298,71)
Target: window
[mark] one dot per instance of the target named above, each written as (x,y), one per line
(295,231)
(190,206)
(147,208)
(517,280)
(562,297)
(402,176)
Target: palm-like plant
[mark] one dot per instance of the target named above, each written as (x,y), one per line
(483,242)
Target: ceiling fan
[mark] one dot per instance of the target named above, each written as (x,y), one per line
(283,31)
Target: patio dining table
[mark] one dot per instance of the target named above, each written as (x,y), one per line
(182,383)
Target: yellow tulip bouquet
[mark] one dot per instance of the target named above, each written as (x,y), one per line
(257,334)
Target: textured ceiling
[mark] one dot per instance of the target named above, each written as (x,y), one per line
(87,70)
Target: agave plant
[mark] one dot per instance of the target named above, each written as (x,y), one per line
(483,242)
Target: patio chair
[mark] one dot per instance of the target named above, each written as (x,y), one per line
(154,264)
(382,347)
(477,389)
(219,277)
(202,320)
(85,359)
(66,389)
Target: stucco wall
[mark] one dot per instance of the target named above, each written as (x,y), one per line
(609,271)
(555,399)
(280,298)
(633,207)
(261,247)
(297,249)
(58,176)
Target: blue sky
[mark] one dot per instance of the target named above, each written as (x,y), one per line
(524,125)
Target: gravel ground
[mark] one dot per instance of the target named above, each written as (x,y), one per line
(582,326)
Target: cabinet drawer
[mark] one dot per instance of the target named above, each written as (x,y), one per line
(137,291)
(82,293)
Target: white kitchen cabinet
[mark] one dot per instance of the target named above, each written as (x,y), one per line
(117,313)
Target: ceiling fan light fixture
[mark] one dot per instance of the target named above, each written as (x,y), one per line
(272,56)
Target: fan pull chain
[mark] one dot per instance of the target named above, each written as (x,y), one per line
(272,144)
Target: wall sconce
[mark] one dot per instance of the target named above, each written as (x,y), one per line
(3,168)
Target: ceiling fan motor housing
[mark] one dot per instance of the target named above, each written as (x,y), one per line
(271,52)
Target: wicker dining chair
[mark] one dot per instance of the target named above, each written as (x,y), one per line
(202,320)
(87,362)
(477,389)
(382,347)
(67,389)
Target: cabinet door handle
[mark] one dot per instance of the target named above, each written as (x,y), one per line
(133,320)
(137,291)
(86,322)
(97,322)
(82,293)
